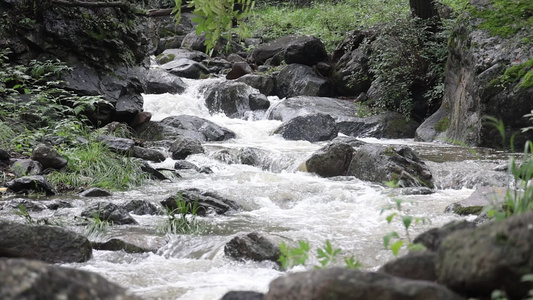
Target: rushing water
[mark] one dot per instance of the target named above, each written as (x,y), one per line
(276,199)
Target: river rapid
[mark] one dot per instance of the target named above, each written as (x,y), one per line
(277,200)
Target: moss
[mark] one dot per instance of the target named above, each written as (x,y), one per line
(467,210)
(165,58)
(506,18)
(443,124)
(522,73)
(528,80)
(389,151)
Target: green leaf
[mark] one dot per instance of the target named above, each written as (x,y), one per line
(388,237)
(395,247)
(407,221)
(390,217)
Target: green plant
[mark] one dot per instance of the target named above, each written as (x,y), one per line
(393,241)
(215,19)
(23,212)
(182,219)
(327,255)
(97,226)
(293,256)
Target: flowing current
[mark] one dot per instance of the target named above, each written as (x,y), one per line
(277,200)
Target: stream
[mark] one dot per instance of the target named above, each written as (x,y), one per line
(277,200)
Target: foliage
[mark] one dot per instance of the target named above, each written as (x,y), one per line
(215,19)
(328,21)
(93,164)
(299,255)
(97,226)
(519,73)
(407,56)
(178,222)
(505,17)
(406,221)
(23,212)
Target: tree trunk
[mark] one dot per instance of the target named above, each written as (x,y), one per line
(424,9)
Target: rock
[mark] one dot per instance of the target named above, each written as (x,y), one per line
(185,146)
(159,81)
(312,128)
(474,262)
(46,243)
(301,80)
(331,160)
(185,165)
(340,283)
(252,156)
(265,84)
(207,201)
(186,68)
(432,238)
(141,207)
(95,192)
(254,246)
(118,145)
(23,167)
(480,198)
(109,212)
(306,50)
(242,295)
(196,127)
(258,102)
(48,157)
(291,108)
(352,76)
(148,154)
(57,204)
(35,183)
(352,40)
(400,165)
(473,81)
(217,65)
(131,243)
(229,97)
(418,265)
(434,127)
(4,155)
(27,279)
(154,173)
(390,125)
(31,206)
(238,70)
(174,54)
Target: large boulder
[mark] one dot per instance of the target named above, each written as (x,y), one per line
(474,262)
(116,144)
(23,167)
(186,68)
(232,98)
(185,146)
(307,105)
(46,243)
(109,212)
(389,125)
(482,197)
(263,52)
(331,160)
(488,73)
(34,183)
(184,125)
(207,201)
(254,246)
(312,128)
(48,157)
(297,79)
(265,84)
(159,81)
(399,165)
(148,154)
(352,76)
(418,265)
(27,280)
(338,283)
(306,50)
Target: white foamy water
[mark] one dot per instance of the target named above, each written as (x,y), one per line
(276,200)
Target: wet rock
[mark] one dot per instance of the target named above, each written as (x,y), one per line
(350,140)
(28,279)
(95,192)
(301,80)
(159,81)
(174,54)
(242,295)
(331,160)
(265,84)
(148,154)
(118,145)
(35,183)
(185,165)
(57,204)
(238,70)
(254,246)
(432,238)
(418,265)
(46,243)
(31,206)
(109,212)
(312,128)
(207,201)
(339,283)
(390,125)
(196,127)
(23,167)
(291,108)
(251,156)
(48,157)
(230,97)
(258,102)
(141,207)
(185,146)
(480,198)
(352,76)
(157,174)
(186,68)
(400,165)
(475,261)
(306,50)
(434,127)
(131,243)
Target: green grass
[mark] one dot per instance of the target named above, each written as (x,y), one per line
(328,22)
(182,219)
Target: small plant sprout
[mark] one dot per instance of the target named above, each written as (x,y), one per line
(182,219)
(393,241)
(293,256)
(327,255)
(97,226)
(23,212)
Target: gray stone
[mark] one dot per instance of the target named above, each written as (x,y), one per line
(186,68)
(159,81)
(35,183)
(265,84)
(253,246)
(331,160)
(48,157)
(116,144)
(242,295)
(148,154)
(141,207)
(418,265)
(185,146)
(207,201)
(312,128)
(95,192)
(109,212)
(306,50)
(432,238)
(301,80)
(230,97)
(23,167)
